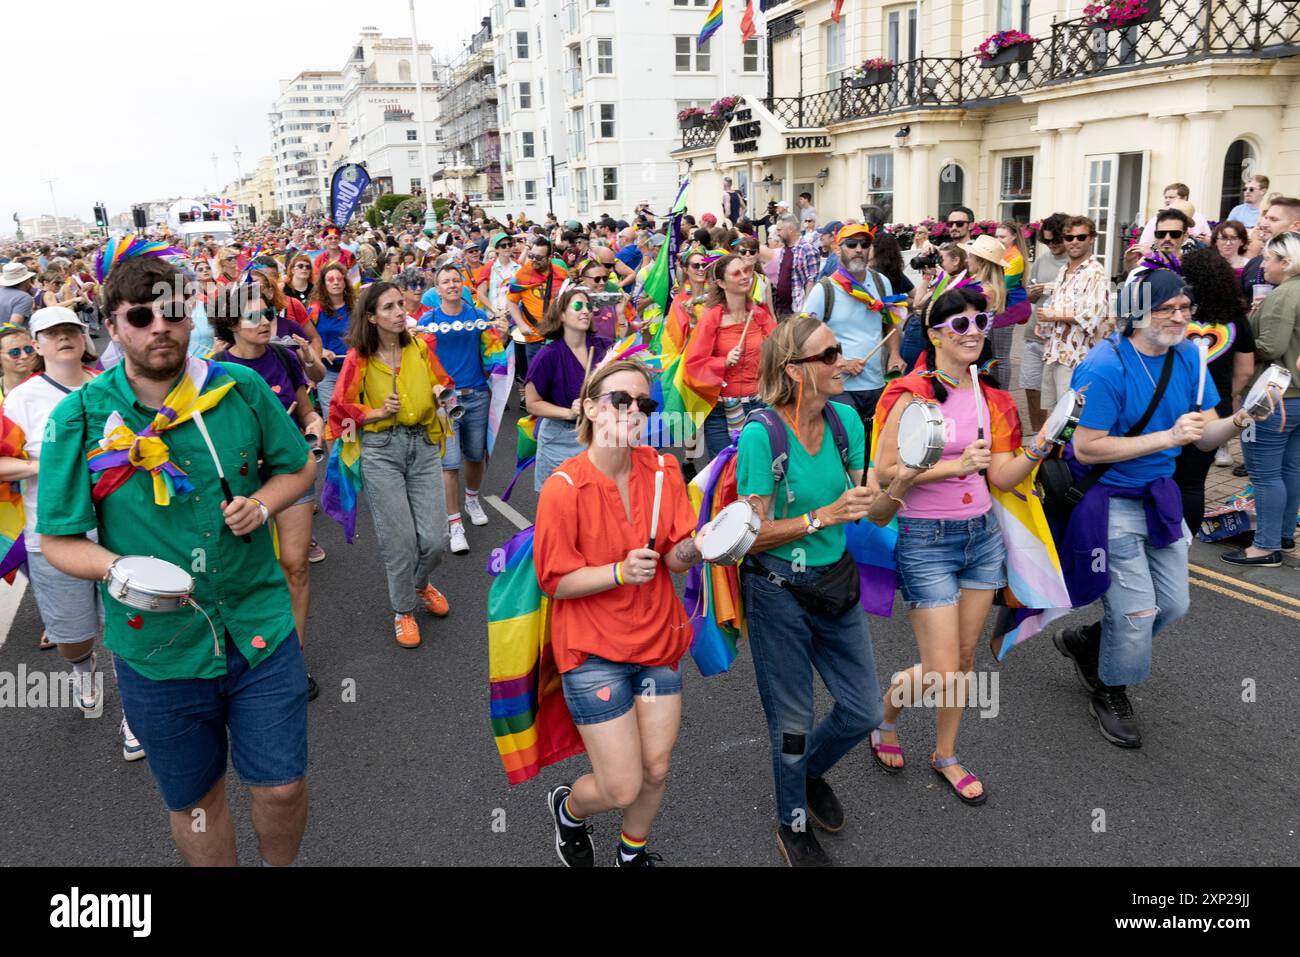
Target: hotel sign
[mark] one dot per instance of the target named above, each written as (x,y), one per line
(745,131)
(795,143)
(753,134)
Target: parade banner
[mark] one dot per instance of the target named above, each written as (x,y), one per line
(346,187)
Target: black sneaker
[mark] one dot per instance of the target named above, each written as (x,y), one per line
(1239,557)
(1240,471)
(1288,545)
(642,859)
(823,806)
(1080,647)
(801,848)
(1114,714)
(313,689)
(572,844)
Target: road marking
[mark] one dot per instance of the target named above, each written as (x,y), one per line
(1258,589)
(519,521)
(11,596)
(1250,600)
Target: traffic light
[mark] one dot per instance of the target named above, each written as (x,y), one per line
(138,215)
(101,217)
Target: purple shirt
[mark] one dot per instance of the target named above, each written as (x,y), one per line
(284,377)
(556,373)
(284,326)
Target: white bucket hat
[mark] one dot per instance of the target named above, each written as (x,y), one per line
(15,273)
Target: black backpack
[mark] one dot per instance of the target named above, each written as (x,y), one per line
(779,440)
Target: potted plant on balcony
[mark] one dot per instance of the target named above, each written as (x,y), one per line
(723,109)
(690,118)
(873,72)
(1116,14)
(1005,47)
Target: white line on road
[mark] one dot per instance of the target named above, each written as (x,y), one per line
(519,521)
(11,596)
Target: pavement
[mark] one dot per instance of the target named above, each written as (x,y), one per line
(407,773)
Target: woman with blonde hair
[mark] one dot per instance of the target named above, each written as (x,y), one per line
(985,256)
(618,630)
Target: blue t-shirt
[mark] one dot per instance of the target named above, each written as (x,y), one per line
(332,329)
(1118,392)
(459,338)
(856,327)
(630,256)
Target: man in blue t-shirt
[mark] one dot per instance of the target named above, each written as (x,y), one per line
(1127,542)
(458,328)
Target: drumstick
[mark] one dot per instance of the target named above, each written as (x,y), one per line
(1203,347)
(892,333)
(221,473)
(979,402)
(654,514)
(744,332)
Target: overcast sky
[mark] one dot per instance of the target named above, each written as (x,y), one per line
(127,102)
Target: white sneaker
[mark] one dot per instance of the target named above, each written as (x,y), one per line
(475,511)
(132,749)
(87,696)
(458,544)
(1222,457)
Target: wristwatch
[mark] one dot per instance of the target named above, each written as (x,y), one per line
(814,523)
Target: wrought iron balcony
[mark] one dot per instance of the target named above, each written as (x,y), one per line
(705,135)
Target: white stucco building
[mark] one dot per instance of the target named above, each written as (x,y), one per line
(300,120)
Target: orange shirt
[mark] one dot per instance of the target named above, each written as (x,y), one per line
(584,524)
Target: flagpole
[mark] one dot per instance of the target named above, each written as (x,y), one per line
(722,33)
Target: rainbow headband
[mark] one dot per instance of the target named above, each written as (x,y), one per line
(127,247)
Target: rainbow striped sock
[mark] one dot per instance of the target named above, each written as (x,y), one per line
(630,847)
(567,817)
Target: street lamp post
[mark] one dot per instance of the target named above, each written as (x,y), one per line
(238,176)
(430,217)
(55,203)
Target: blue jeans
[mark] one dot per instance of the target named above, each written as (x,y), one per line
(787,642)
(557,442)
(468,439)
(183,724)
(599,690)
(1273,460)
(937,558)
(1142,578)
(716,434)
(325,391)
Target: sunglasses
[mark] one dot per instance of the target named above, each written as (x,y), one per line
(303,266)
(960,325)
(698,267)
(854,244)
(1081,238)
(748,252)
(19,352)
(141,317)
(578,305)
(828,356)
(959,222)
(1053,240)
(599,277)
(1168,233)
(623,401)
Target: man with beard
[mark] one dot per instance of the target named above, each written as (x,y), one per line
(1126,542)
(125,454)
(855,316)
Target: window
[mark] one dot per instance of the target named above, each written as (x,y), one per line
(520,4)
(526,148)
(577,146)
(600,53)
(415,182)
(412,136)
(404,71)
(1238,167)
(1017,188)
(952,189)
(601,4)
(541,91)
(689,3)
(524,96)
(751,61)
(835,40)
(602,121)
(609,184)
(546,144)
(685,47)
(880,185)
(530,190)
(580,185)
(521,45)
(413,156)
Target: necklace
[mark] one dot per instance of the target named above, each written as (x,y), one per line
(1143,363)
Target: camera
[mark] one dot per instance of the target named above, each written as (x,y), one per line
(925,262)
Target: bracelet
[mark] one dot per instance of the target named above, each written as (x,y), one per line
(1033,455)
(618,573)
(266,512)
(1240,425)
(807,523)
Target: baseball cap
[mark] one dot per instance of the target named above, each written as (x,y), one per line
(854,229)
(831,228)
(708,219)
(52,316)
(657,240)
(573,226)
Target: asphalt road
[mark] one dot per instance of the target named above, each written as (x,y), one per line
(408,774)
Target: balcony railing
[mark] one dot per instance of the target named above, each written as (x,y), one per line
(1188,30)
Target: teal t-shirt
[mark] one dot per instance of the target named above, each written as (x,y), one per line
(816,481)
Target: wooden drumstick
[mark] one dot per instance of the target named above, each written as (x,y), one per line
(744,332)
(893,332)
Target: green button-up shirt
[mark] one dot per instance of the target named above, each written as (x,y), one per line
(239,585)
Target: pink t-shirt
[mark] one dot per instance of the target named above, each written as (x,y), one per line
(953,498)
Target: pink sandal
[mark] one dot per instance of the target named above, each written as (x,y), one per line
(965,782)
(877,749)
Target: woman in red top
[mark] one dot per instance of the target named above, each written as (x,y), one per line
(332,238)
(725,348)
(618,630)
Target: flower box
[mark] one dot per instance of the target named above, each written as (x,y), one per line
(693,121)
(1016,53)
(1121,14)
(869,78)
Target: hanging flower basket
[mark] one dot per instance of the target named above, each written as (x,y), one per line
(1004,48)
(1119,14)
(872,73)
(691,118)
(724,108)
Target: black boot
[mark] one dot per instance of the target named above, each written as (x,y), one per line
(1114,714)
(1082,646)
(801,848)
(823,806)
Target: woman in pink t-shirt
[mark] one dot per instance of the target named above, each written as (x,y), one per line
(950,555)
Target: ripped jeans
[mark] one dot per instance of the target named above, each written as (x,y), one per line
(1142,579)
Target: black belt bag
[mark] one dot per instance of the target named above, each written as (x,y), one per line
(832,595)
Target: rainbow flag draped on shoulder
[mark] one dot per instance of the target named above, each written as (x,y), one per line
(712,595)
(530,720)
(13,516)
(499,368)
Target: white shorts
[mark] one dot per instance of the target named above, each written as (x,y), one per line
(1031,365)
(1056,382)
(70,608)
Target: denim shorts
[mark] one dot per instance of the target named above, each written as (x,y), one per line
(599,690)
(183,723)
(468,439)
(939,557)
(71,610)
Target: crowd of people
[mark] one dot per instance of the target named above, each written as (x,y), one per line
(308,364)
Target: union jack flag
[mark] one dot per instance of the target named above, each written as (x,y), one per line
(224,206)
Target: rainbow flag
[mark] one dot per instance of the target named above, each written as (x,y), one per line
(530,720)
(342,487)
(682,399)
(711,25)
(712,594)
(872,548)
(525,451)
(499,367)
(13,517)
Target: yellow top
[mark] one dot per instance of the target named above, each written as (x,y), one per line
(414,388)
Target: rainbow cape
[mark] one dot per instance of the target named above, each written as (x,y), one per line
(525,451)
(530,720)
(712,595)
(121,452)
(1013,270)
(13,517)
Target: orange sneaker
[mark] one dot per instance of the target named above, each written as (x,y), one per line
(407,631)
(434,601)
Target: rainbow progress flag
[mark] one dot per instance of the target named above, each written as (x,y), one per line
(525,451)
(712,595)
(530,720)
(13,520)
(712,24)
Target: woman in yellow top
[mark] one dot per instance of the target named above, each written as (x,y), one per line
(748,249)
(388,395)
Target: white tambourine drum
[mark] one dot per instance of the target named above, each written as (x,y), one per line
(730,536)
(518,336)
(149,584)
(921,436)
(1065,417)
(1272,383)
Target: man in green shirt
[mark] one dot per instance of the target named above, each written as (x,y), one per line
(190,681)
